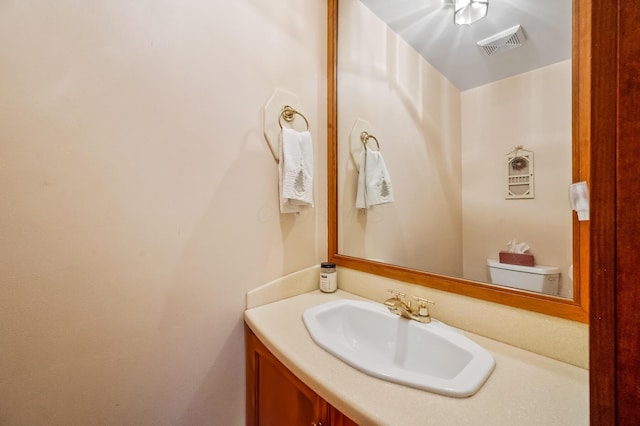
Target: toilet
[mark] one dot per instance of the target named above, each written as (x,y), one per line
(538,278)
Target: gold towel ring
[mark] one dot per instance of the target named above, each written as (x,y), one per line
(365,136)
(288,114)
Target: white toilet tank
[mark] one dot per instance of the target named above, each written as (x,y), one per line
(539,278)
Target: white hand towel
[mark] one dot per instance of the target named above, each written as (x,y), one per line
(374,181)
(295,171)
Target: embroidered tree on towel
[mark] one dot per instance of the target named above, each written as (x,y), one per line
(298,184)
(384,189)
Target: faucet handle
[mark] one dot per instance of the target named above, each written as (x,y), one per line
(397,294)
(423,311)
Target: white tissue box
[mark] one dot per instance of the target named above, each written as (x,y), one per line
(522,259)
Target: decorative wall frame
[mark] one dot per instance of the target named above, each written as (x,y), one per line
(519,174)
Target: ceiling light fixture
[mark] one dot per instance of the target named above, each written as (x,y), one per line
(466,12)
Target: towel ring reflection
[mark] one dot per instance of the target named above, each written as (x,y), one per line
(288,113)
(365,136)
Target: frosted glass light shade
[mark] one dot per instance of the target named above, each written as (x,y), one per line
(469,11)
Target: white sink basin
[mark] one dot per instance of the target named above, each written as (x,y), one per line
(433,357)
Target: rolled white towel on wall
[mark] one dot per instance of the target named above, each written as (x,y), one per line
(295,171)
(374,181)
(570,272)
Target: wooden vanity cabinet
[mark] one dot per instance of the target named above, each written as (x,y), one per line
(275,396)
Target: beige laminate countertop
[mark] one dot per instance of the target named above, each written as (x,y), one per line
(524,389)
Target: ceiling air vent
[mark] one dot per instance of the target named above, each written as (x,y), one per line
(503,41)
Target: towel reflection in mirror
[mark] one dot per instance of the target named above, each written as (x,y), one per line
(374,181)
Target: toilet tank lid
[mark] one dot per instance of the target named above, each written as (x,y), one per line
(537,269)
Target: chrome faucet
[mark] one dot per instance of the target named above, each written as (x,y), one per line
(397,306)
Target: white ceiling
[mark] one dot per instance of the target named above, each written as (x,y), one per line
(428,26)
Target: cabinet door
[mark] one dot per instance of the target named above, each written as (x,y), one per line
(336,418)
(275,396)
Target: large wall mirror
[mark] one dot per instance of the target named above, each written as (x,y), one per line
(449,108)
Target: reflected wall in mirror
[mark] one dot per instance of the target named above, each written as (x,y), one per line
(446,116)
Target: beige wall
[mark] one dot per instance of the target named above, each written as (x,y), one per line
(415,114)
(534,110)
(138,201)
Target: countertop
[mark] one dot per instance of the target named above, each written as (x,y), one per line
(524,388)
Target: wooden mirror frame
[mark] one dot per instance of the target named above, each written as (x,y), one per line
(576,309)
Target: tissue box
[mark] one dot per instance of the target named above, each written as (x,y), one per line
(522,259)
